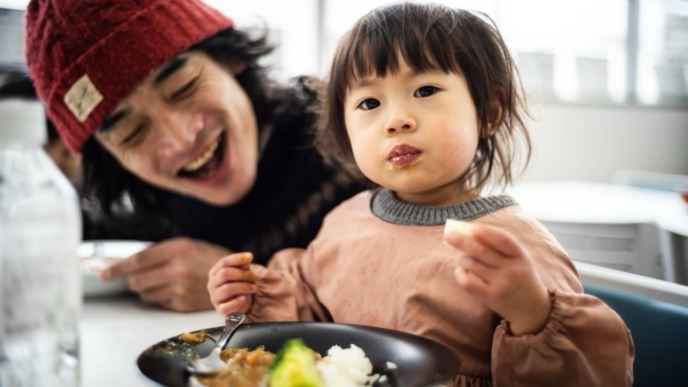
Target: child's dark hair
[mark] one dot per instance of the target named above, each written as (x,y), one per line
(433,37)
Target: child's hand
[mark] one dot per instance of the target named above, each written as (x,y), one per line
(231,283)
(496,270)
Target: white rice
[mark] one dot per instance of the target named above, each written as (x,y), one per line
(346,368)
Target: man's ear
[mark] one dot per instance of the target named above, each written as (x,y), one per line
(238,66)
(496,113)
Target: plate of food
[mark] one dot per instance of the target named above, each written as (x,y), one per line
(355,354)
(95,255)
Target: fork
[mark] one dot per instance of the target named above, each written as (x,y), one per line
(212,363)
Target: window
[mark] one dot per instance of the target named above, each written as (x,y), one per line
(585,51)
(11,40)
(569,51)
(662,57)
(293,29)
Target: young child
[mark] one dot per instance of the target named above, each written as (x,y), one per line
(425,99)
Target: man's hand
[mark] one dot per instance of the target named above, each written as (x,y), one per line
(172,274)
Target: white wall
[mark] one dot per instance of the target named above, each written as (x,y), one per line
(591,143)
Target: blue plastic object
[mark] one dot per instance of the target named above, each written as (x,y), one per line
(660,334)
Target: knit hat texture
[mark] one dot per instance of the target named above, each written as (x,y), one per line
(84,56)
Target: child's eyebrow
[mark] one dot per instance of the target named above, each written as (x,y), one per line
(362,82)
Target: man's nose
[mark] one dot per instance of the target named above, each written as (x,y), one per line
(178,132)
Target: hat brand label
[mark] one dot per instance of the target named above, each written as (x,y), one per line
(82,98)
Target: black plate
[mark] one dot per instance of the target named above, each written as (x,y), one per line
(420,361)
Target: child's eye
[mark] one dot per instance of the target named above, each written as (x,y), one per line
(425,91)
(184,90)
(369,104)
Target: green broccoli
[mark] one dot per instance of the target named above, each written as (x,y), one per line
(294,366)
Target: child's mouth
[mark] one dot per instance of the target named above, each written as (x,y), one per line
(207,163)
(403,155)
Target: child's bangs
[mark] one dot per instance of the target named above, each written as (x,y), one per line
(377,54)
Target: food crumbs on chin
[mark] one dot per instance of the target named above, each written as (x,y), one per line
(405,168)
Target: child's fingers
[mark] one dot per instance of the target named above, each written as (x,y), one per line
(497,239)
(231,274)
(471,247)
(226,292)
(470,282)
(479,239)
(232,260)
(236,304)
(477,268)
(463,240)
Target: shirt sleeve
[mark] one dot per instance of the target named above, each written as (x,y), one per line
(584,343)
(283,293)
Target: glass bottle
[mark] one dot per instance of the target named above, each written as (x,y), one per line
(40,229)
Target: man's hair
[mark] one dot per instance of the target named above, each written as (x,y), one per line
(433,37)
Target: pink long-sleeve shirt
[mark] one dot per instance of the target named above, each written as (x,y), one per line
(362,269)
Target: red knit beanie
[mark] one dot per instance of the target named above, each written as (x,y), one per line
(86,55)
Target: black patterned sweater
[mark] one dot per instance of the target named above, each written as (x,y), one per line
(293,192)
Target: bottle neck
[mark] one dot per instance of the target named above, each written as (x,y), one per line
(28,165)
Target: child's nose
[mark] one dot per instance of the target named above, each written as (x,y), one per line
(400,123)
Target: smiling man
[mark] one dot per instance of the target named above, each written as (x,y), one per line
(185,140)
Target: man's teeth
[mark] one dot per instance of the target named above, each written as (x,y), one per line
(202,159)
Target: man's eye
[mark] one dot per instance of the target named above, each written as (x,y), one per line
(425,91)
(369,104)
(182,91)
(131,136)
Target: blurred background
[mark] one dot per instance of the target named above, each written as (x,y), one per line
(607,80)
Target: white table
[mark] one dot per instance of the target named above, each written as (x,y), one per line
(602,203)
(586,202)
(115,331)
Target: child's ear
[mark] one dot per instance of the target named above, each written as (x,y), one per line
(496,113)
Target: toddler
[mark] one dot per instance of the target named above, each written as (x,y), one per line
(425,100)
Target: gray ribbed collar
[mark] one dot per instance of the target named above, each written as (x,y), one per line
(387,207)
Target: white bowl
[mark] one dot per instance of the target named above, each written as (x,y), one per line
(96,255)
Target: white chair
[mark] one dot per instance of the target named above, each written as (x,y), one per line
(627,247)
(673,244)
(676,246)
(653,180)
(632,283)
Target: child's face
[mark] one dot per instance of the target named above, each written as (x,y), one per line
(415,134)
